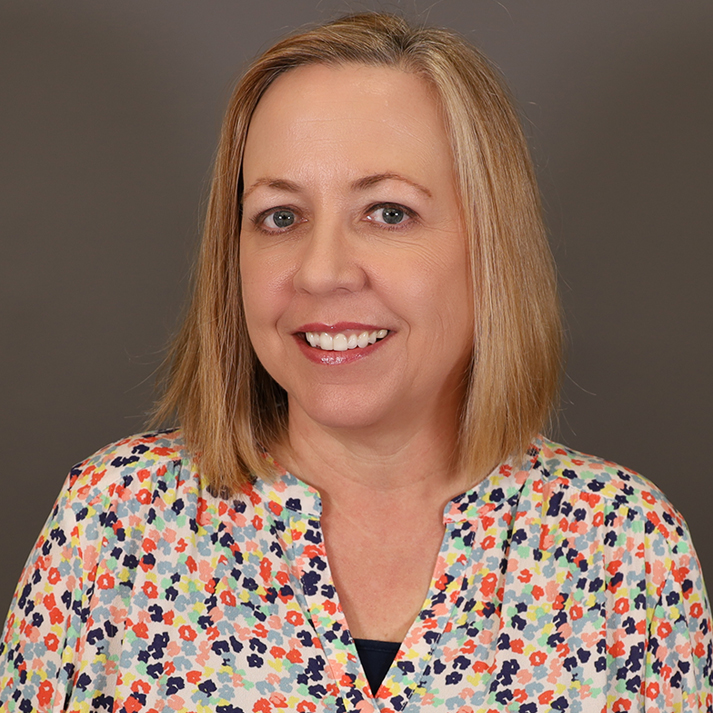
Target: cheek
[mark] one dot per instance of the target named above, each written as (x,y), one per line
(433,286)
(265,287)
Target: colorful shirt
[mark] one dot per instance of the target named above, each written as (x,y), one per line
(567,584)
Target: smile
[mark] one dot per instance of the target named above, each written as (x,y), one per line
(342,341)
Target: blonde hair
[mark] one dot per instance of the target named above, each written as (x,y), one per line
(230,409)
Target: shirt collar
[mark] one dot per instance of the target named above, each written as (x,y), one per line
(287,492)
(501,486)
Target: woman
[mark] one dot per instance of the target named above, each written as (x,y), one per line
(358,513)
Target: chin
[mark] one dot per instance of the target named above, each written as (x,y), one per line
(339,410)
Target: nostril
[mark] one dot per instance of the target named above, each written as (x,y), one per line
(326,266)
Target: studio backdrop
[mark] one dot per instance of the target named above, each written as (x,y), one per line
(109,118)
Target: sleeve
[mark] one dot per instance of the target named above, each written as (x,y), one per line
(679,656)
(38,649)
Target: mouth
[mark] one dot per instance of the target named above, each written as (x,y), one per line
(344,340)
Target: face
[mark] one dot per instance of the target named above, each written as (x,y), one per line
(352,255)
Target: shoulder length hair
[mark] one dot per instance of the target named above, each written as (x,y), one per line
(230,409)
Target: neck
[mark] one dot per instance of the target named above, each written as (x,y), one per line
(412,466)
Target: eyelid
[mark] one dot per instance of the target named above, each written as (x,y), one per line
(409,212)
(259,220)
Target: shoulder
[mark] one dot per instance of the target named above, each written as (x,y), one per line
(130,464)
(613,524)
(624,495)
(580,472)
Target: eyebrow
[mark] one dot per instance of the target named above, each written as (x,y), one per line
(361,184)
(277,183)
(369,181)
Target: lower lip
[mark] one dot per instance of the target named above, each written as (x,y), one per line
(333,358)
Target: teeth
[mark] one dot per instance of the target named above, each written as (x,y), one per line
(341,342)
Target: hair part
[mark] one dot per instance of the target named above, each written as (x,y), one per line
(230,409)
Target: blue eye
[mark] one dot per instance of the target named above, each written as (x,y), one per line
(280,219)
(389,214)
(392,215)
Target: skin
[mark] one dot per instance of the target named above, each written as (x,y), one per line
(337,150)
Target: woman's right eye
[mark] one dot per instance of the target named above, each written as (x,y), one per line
(278,219)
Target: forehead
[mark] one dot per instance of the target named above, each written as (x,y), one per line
(373,118)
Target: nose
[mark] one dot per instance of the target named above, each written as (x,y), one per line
(327,262)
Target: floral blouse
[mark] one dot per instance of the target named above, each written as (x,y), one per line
(569,584)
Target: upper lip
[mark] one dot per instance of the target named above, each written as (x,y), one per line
(338,327)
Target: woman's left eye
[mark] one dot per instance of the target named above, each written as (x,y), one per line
(389,214)
(279,219)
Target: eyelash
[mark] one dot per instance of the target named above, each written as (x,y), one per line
(259,220)
(410,215)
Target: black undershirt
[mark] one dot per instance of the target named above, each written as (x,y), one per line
(376,658)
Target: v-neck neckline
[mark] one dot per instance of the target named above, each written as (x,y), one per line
(463,557)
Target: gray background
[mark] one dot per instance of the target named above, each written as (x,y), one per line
(109,119)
